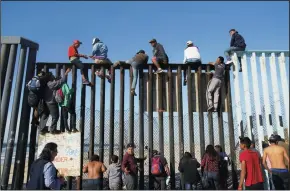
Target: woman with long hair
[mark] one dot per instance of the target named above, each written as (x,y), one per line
(43,174)
(210,167)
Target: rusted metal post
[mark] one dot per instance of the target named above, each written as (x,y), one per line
(190,111)
(141,128)
(210,120)
(20,157)
(82,128)
(92,112)
(7,90)
(200,111)
(13,120)
(160,113)
(180,112)
(171,130)
(112,114)
(150,119)
(131,113)
(102,117)
(121,113)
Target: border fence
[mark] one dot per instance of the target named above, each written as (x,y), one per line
(109,117)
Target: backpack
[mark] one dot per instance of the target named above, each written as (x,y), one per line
(156,166)
(36,89)
(59,96)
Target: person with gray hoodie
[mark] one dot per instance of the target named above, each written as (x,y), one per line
(114,174)
(50,104)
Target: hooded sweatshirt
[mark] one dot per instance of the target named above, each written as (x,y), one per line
(114,174)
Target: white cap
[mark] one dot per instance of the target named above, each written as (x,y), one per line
(95,40)
(189,42)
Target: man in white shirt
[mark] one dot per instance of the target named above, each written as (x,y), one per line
(191,56)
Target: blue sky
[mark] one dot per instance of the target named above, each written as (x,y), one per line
(127,27)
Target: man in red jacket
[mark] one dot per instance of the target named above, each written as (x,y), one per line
(74,58)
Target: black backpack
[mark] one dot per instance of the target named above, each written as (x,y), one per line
(36,88)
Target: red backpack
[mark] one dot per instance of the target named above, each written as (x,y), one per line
(156,166)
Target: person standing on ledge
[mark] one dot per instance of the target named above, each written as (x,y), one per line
(237,44)
(74,58)
(139,60)
(160,57)
(191,56)
(214,85)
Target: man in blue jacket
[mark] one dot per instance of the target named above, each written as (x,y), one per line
(237,44)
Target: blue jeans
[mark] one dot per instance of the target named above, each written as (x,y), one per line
(232,49)
(94,184)
(213,179)
(135,66)
(189,186)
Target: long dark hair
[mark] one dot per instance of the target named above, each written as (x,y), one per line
(46,152)
(211,152)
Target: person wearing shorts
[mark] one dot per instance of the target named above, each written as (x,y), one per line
(160,58)
(74,58)
(100,56)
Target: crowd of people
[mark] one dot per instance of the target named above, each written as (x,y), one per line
(213,174)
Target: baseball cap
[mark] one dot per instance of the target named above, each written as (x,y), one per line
(95,40)
(141,51)
(153,40)
(77,42)
(189,42)
(130,145)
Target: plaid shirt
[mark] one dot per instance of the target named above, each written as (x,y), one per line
(212,163)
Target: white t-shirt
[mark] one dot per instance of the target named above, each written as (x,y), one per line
(191,52)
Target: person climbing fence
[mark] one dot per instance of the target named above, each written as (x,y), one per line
(160,57)
(139,60)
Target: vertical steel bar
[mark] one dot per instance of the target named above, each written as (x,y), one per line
(231,127)
(220,117)
(7,90)
(5,49)
(190,111)
(131,113)
(180,112)
(13,120)
(200,111)
(210,119)
(160,113)
(102,117)
(285,86)
(62,127)
(171,130)
(267,105)
(141,128)
(276,95)
(121,114)
(82,128)
(20,158)
(112,114)
(57,75)
(92,112)
(150,119)
(238,105)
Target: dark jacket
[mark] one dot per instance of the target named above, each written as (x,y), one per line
(159,52)
(238,41)
(130,162)
(188,167)
(141,58)
(36,177)
(50,89)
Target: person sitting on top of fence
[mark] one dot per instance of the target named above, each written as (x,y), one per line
(191,56)
(160,57)
(74,58)
(139,60)
(237,44)
(214,85)
(100,56)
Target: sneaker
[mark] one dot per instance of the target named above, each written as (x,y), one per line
(55,131)
(240,70)
(184,82)
(44,131)
(108,78)
(74,130)
(211,108)
(229,62)
(133,92)
(158,71)
(86,82)
(116,64)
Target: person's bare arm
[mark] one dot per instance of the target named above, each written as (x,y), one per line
(85,169)
(264,160)
(167,170)
(243,175)
(104,168)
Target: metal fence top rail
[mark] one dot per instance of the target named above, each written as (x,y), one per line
(19,40)
(260,52)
